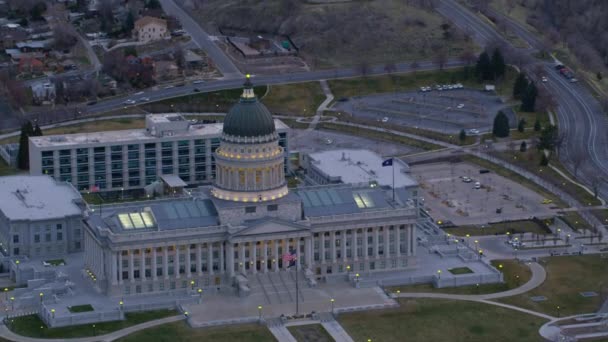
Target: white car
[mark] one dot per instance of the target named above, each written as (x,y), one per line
(460,106)
(544,79)
(130,102)
(169,86)
(477,185)
(466,179)
(459,85)
(473,131)
(198,82)
(385,119)
(139,93)
(144,99)
(573,80)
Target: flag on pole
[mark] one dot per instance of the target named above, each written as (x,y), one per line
(290,258)
(388,162)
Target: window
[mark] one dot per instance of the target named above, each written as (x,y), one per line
(59,226)
(59,236)
(47,237)
(16,251)
(15,238)
(77,245)
(249,210)
(37,238)
(273,207)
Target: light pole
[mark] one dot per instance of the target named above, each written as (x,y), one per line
(468,236)
(332,305)
(476,244)
(12,303)
(439,274)
(121,304)
(192,284)
(558,311)
(6,293)
(259,312)
(53,313)
(41,295)
(200,293)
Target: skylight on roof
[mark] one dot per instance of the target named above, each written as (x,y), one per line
(137,220)
(363,200)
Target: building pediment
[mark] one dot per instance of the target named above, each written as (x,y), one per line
(267,227)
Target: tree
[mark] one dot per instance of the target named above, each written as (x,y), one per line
(501,125)
(544,161)
(596,181)
(23,156)
(468,58)
(498,64)
(441,58)
(599,75)
(63,37)
(548,138)
(178,56)
(483,68)
(545,101)
(37,132)
(130,51)
(537,126)
(414,66)
(462,136)
(129,22)
(523,147)
(520,85)
(364,69)
(528,100)
(521,125)
(153,4)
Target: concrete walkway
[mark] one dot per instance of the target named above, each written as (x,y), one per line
(323,106)
(9,335)
(337,332)
(281,333)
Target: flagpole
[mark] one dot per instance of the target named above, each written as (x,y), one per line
(393,164)
(297,289)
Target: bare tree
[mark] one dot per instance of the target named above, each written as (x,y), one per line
(178,55)
(441,58)
(414,66)
(364,69)
(545,101)
(63,37)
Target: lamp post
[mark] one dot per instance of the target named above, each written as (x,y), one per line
(192,284)
(41,295)
(53,313)
(6,293)
(121,304)
(480,254)
(439,274)
(558,311)
(332,305)
(186,314)
(200,294)
(259,312)
(476,244)
(508,235)
(12,303)
(468,236)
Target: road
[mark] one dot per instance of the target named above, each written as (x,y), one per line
(202,39)
(579,114)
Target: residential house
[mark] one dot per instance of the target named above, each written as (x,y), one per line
(31,65)
(149,29)
(43,93)
(10,37)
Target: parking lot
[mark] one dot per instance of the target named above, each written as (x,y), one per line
(446,111)
(306,141)
(449,198)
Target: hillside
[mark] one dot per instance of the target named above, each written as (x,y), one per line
(343,33)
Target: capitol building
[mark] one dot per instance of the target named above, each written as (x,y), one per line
(247,220)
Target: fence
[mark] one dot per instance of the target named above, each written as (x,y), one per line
(467,279)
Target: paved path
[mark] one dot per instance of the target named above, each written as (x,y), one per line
(9,335)
(328,98)
(337,332)
(281,333)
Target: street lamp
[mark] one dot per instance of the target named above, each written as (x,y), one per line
(41,295)
(200,293)
(476,244)
(121,303)
(186,314)
(12,303)
(53,312)
(357,277)
(6,293)
(332,304)
(259,312)
(439,274)
(558,311)
(192,284)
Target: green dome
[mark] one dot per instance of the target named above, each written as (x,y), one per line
(249,117)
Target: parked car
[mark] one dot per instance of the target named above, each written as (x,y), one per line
(385,119)
(460,106)
(198,82)
(467,179)
(473,131)
(129,102)
(484,171)
(544,79)
(196,90)
(477,185)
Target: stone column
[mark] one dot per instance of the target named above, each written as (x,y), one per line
(242,257)
(210,257)
(354,246)
(265,256)
(131,267)
(376,242)
(322,247)
(333,247)
(254,256)
(176,262)
(413,239)
(398,242)
(199,255)
(387,243)
(154,265)
(343,238)
(229,259)
(298,266)
(142,272)
(308,251)
(188,261)
(166,262)
(119,267)
(113,274)
(275,249)
(285,251)
(221,265)
(365,244)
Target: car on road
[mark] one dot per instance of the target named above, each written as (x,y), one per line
(139,93)
(196,90)
(546,201)
(385,119)
(573,80)
(198,82)
(343,99)
(477,185)
(460,106)
(129,102)
(168,86)
(544,79)
(482,171)
(328,141)
(90,103)
(467,179)
(473,131)
(144,99)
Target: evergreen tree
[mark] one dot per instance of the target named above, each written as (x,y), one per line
(544,161)
(523,147)
(129,22)
(23,157)
(521,83)
(483,68)
(528,100)
(463,135)
(521,126)
(37,131)
(501,125)
(498,64)
(537,126)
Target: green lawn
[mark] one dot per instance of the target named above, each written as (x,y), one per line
(567,276)
(514,227)
(56,262)
(6,170)
(294,124)
(516,178)
(180,331)
(310,333)
(514,274)
(298,99)
(33,326)
(80,308)
(574,220)
(460,270)
(601,214)
(378,135)
(442,320)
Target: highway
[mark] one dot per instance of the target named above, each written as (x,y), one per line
(579,114)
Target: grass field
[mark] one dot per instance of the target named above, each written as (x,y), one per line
(601,214)
(33,326)
(514,275)
(310,333)
(516,178)
(180,331)
(514,227)
(574,220)
(412,81)
(460,270)
(301,99)
(421,320)
(567,276)
(378,135)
